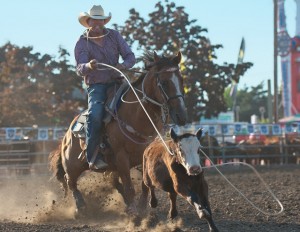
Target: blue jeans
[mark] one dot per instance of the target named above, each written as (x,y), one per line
(96,111)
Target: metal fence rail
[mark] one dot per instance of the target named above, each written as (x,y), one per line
(21,156)
(25,157)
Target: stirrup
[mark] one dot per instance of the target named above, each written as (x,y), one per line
(98,165)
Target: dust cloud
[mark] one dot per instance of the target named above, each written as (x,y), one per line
(37,199)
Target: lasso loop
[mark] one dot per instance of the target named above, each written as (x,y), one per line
(236,189)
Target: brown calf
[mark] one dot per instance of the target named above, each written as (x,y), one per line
(177,173)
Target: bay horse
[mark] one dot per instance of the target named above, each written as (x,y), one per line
(161,90)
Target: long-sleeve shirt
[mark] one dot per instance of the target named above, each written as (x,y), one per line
(109,52)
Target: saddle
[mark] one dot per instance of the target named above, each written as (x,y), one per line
(112,104)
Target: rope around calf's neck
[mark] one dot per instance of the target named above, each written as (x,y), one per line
(236,189)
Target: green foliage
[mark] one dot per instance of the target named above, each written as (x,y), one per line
(249,100)
(39,89)
(35,88)
(168,30)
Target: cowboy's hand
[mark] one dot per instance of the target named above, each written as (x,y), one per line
(92,64)
(120,66)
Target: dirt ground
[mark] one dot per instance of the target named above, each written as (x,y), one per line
(34,203)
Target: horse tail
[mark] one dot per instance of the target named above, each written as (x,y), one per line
(56,167)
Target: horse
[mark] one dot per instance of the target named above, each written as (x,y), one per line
(174,166)
(129,131)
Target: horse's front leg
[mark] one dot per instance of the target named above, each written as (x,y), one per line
(116,183)
(128,188)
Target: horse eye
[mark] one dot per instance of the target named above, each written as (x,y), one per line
(164,83)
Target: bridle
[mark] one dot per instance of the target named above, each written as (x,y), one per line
(145,98)
(163,92)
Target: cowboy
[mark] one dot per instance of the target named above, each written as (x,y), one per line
(99,44)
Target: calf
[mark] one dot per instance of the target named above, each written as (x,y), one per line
(177,173)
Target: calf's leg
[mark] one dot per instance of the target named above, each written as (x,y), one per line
(153,199)
(143,198)
(173,210)
(202,206)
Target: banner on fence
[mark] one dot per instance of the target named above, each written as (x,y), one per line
(43,134)
(10,133)
(212,130)
(238,128)
(225,129)
(264,129)
(288,128)
(276,130)
(250,129)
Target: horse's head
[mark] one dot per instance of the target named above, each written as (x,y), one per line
(165,85)
(187,151)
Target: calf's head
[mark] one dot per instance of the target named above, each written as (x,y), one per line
(187,151)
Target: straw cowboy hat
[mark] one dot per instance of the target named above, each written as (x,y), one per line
(96,12)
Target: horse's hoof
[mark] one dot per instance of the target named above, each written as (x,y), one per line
(80,213)
(136,220)
(132,211)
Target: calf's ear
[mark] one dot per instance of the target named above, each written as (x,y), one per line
(173,134)
(199,133)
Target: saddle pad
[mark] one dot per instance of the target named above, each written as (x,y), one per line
(79,127)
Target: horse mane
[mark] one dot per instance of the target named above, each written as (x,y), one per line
(149,62)
(164,61)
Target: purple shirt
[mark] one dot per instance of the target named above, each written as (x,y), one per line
(109,52)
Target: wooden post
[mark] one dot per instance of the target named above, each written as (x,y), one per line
(275,63)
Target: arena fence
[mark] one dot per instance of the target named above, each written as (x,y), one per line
(25,151)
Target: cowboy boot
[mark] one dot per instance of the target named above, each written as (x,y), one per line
(97,162)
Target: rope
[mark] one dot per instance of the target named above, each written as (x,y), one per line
(236,189)
(133,90)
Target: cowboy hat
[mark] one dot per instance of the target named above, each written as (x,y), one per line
(96,12)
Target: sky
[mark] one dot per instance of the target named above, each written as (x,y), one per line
(45,25)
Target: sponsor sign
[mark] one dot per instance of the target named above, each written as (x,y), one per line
(43,134)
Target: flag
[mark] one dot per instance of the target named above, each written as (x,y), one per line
(241,52)
(233,90)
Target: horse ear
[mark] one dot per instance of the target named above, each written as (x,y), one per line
(199,133)
(156,57)
(177,58)
(173,134)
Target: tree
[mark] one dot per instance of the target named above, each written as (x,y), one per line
(35,88)
(250,100)
(169,30)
